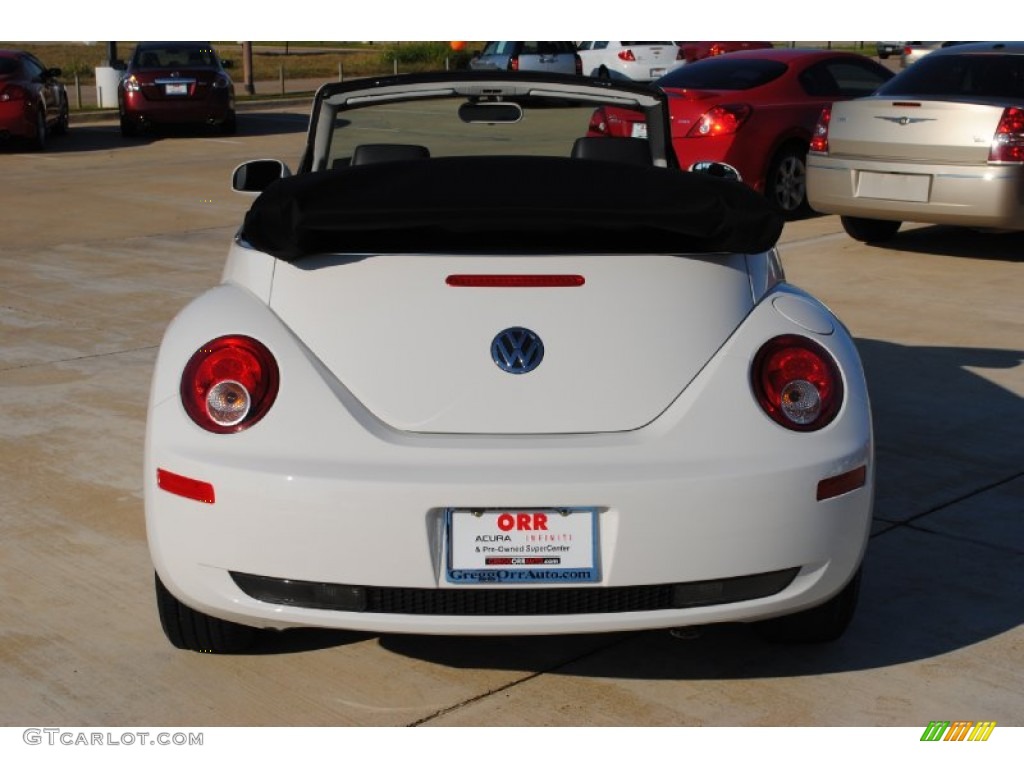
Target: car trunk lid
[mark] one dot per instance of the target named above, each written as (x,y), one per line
(177,84)
(913,130)
(617,349)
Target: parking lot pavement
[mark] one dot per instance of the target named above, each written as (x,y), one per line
(105,240)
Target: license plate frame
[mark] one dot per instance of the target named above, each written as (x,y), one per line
(549,545)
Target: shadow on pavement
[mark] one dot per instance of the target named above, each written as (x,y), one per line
(92,137)
(959,241)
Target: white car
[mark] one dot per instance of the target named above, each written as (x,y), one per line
(502,379)
(634,61)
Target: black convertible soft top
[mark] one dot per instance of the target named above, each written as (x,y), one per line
(508,205)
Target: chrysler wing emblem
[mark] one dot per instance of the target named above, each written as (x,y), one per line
(905,120)
(517,350)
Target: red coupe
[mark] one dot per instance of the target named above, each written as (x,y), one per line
(754,111)
(33,102)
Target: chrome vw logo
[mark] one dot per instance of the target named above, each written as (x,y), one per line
(517,350)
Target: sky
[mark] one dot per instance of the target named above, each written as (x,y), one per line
(476,20)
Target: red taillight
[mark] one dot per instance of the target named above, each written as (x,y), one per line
(797,383)
(229,384)
(515,281)
(1008,142)
(627,55)
(721,120)
(513,63)
(716,50)
(13,93)
(598,123)
(819,138)
(680,54)
(579,64)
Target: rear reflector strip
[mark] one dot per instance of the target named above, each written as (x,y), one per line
(185,486)
(515,281)
(831,487)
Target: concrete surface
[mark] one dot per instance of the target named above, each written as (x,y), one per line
(104,240)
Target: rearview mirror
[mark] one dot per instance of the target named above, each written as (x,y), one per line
(490,112)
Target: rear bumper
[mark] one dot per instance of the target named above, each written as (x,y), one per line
(712,490)
(214,109)
(985,196)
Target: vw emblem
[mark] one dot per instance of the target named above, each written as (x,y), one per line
(517,350)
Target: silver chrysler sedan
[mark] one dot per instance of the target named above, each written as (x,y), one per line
(940,143)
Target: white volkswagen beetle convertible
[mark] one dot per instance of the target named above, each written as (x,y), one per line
(470,373)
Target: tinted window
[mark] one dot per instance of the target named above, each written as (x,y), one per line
(175,56)
(8,66)
(724,74)
(500,47)
(843,78)
(33,69)
(987,75)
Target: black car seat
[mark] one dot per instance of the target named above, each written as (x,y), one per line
(613,149)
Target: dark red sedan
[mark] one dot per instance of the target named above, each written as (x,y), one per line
(33,102)
(695,50)
(175,84)
(754,111)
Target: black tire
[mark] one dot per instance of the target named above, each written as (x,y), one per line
(230,125)
(786,185)
(821,624)
(39,140)
(870,230)
(128,128)
(883,55)
(191,630)
(63,119)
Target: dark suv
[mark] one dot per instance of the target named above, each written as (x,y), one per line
(176,83)
(536,56)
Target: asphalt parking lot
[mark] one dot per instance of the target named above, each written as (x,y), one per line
(105,240)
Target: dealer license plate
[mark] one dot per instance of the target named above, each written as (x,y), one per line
(176,89)
(639,131)
(487,546)
(913,188)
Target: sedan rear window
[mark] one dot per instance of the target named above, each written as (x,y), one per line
(968,75)
(724,74)
(176,56)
